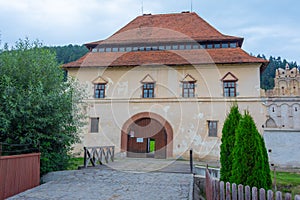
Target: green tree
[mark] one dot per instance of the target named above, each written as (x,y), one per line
(250,166)
(37,106)
(228,140)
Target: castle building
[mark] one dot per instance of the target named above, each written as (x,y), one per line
(163,84)
(282,128)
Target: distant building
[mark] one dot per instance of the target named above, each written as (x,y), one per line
(283,102)
(163,84)
(282,128)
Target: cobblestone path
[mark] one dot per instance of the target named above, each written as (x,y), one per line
(112,184)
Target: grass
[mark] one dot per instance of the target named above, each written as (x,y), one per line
(74,163)
(287,182)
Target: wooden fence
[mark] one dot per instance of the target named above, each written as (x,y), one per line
(96,155)
(216,190)
(18,173)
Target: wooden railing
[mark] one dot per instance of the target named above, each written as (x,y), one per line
(96,155)
(216,190)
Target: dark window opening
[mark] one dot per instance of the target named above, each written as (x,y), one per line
(95,125)
(212,128)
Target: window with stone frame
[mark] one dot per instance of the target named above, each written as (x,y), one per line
(99,88)
(94,125)
(212,128)
(100,91)
(148,87)
(188,86)
(229,85)
(229,88)
(148,90)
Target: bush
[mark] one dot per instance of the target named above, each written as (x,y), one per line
(228,140)
(250,161)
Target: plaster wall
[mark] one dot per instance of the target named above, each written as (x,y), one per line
(284,146)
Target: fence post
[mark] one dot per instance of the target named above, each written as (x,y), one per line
(84,158)
(278,195)
(262,194)
(228,193)
(234,192)
(191,160)
(240,192)
(288,196)
(270,195)
(254,193)
(222,191)
(248,193)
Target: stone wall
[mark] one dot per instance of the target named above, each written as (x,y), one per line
(283,147)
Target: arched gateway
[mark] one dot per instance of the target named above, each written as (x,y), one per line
(147,135)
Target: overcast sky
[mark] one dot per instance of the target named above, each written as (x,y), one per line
(269,27)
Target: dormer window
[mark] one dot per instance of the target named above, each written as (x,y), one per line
(188,86)
(148,86)
(99,87)
(229,85)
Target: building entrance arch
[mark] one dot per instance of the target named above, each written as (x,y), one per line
(147,135)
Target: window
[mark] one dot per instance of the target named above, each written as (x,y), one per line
(100,90)
(161,47)
(188,89)
(217,45)
(229,85)
(225,45)
(233,45)
(148,90)
(212,128)
(209,46)
(229,88)
(95,125)
(195,46)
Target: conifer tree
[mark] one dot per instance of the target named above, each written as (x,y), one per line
(228,140)
(250,164)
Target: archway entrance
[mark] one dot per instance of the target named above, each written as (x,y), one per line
(147,135)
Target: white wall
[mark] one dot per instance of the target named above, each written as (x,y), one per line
(284,145)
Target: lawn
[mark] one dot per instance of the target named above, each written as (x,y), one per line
(287,182)
(74,163)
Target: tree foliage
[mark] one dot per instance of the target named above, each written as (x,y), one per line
(37,106)
(68,53)
(250,160)
(228,140)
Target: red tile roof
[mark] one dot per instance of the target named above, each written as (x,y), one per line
(174,57)
(166,28)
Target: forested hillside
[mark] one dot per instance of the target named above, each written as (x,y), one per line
(267,77)
(69,53)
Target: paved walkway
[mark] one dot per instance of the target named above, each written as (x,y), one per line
(132,179)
